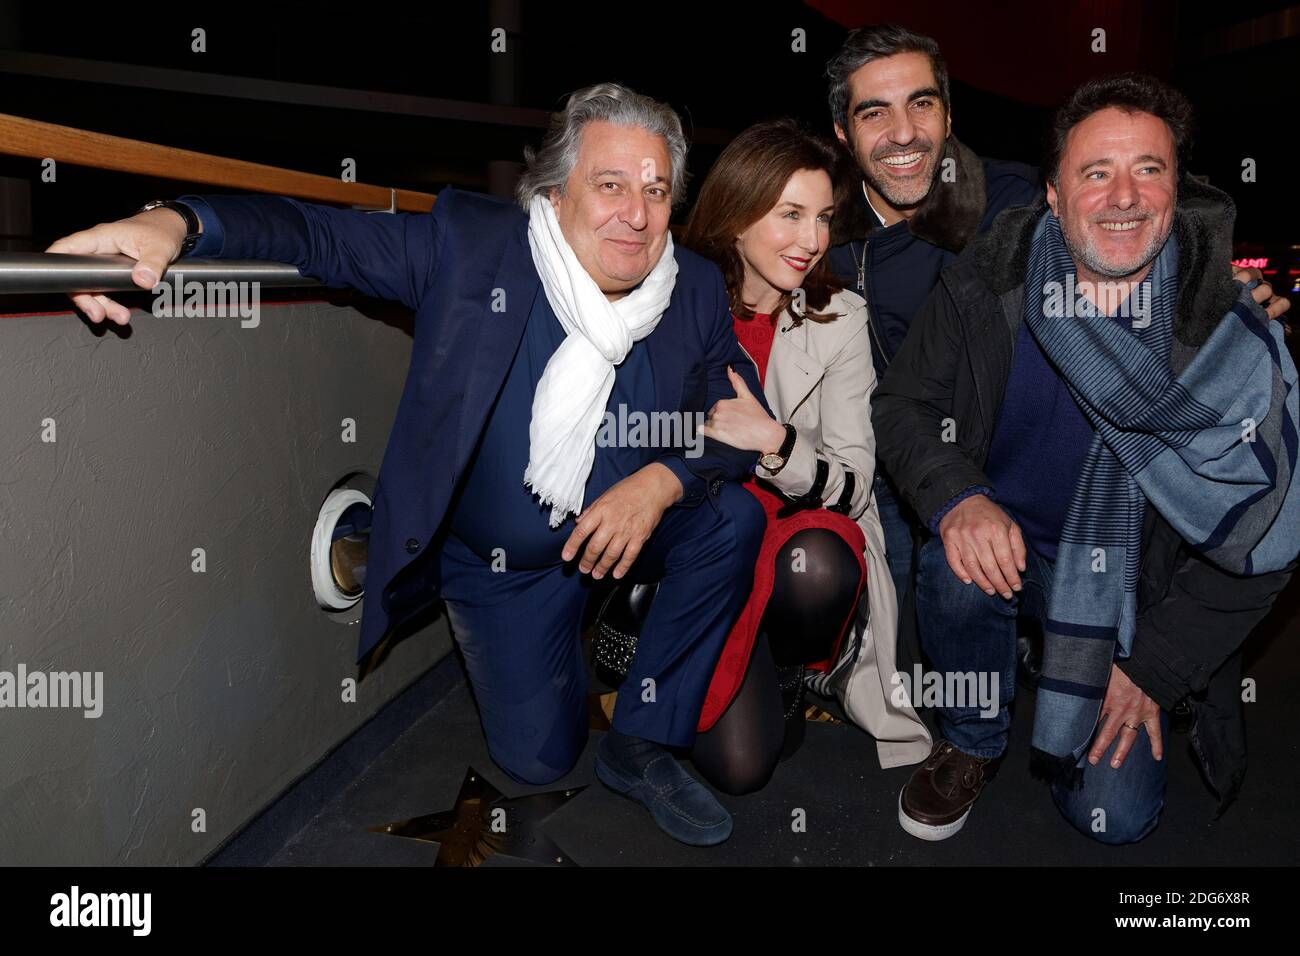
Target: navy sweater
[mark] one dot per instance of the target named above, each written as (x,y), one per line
(1038,446)
(901,268)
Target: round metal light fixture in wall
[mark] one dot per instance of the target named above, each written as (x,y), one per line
(339,548)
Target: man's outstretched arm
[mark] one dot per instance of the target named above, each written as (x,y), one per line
(391,256)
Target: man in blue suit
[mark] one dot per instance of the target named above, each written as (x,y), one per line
(531,328)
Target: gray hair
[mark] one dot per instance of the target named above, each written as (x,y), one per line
(550,166)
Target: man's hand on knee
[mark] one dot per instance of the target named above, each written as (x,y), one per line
(983,545)
(1125,709)
(617,524)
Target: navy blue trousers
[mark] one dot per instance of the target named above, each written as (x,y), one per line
(519,631)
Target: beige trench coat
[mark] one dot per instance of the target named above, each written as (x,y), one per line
(820,378)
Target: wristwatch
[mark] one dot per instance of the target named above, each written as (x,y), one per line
(192,234)
(775,461)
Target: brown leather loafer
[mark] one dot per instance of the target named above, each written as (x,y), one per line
(936,801)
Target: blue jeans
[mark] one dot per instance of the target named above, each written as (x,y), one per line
(895,521)
(965,631)
(1118,806)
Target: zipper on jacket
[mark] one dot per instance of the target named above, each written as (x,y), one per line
(876,342)
(878,345)
(979,397)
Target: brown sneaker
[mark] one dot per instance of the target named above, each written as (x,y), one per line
(936,801)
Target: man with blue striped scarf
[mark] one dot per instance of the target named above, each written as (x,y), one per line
(1100,427)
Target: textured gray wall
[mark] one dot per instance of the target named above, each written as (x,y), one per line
(220,688)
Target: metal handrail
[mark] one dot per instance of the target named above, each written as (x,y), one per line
(23,273)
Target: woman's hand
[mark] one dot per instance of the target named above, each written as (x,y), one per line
(742,422)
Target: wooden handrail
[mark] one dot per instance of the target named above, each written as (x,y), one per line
(66,144)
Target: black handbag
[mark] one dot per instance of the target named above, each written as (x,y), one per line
(618,624)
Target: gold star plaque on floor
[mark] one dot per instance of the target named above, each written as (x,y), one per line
(600,710)
(819,715)
(483,823)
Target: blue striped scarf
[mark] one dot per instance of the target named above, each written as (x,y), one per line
(1213,449)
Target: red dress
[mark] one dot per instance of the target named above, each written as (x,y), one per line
(756,336)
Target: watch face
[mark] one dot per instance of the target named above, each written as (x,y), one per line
(772,462)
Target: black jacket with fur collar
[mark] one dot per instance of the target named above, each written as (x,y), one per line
(1192,617)
(900,264)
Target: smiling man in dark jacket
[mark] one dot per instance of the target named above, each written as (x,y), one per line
(912,201)
(1067,476)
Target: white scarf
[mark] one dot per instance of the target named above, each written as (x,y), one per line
(570,401)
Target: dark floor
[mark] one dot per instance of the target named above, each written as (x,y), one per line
(850,803)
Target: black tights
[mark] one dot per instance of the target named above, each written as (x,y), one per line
(812,594)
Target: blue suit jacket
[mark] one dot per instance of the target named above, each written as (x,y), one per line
(448,266)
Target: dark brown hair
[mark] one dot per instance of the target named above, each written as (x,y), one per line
(1132,93)
(743,186)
